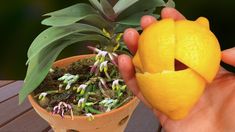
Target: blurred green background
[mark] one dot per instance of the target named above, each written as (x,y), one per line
(20,24)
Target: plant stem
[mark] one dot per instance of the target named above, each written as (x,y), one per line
(86,95)
(92,110)
(123,102)
(50,92)
(112,72)
(107,75)
(102,90)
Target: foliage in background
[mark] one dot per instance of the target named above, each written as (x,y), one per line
(99,22)
(21,24)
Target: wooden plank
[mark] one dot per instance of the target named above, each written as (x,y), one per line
(10,90)
(142,120)
(28,122)
(10,110)
(5,82)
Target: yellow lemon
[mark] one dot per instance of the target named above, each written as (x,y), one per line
(171,91)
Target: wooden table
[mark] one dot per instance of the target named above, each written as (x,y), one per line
(22,118)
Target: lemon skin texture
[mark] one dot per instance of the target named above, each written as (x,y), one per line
(173,92)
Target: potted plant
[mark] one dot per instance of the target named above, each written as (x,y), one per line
(84,93)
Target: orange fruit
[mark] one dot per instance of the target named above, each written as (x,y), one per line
(175,92)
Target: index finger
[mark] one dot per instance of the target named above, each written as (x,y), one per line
(168,12)
(131,35)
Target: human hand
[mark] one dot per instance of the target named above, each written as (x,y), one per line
(216,107)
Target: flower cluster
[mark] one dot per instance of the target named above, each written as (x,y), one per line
(61,108)
(101,63)
(68,79)
(108,103)
(101,91)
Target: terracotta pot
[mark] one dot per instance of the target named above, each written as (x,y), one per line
(113,121)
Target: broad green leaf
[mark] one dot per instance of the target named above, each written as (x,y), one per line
(140,6)
(70,15)
(170,3)
(108,10)
(97,21)
(97,5)
(54,34)
(134,19)
(39,65)
(122,5)
(64,21)
(79,9)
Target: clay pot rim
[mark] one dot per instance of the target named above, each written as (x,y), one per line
(37,106)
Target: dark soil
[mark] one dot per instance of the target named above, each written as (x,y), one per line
(93,92)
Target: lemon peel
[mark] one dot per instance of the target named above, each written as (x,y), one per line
(190,42)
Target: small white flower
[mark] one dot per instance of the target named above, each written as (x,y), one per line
(61,85)
(94,67)
(61,108)
(64,77)
(114,54)
(93,49)
(104,66)
(51,70)
(108,103)
(103,82)
(81,102)
(111,56)
(90,116)
(75,78)
(62,104)
(68,79)
(113,60)
(115,83)
(108,109)
(42,95)
(68,86)
(81,87)
(96,63)
(101,55)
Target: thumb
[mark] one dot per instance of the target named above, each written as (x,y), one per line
(228,56)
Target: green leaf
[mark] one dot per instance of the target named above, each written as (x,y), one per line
(97,5)
(74,10)
(140,6)
(122,5)
(108,10)
(71,15)
(97,21)
(55,34)
(134,19)
(170,3)
(39,65)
